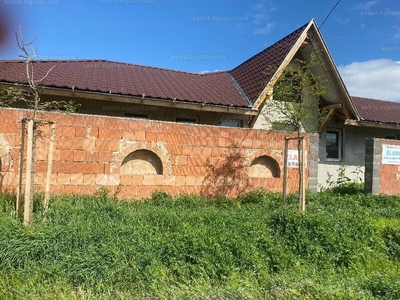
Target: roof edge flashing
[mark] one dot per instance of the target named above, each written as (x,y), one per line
(241,91)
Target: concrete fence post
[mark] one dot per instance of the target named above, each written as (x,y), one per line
(313,166)
(373,157)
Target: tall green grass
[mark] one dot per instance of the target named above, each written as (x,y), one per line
(345,246)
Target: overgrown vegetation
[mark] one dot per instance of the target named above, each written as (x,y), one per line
(345,246)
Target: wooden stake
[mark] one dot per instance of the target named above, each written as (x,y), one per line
(49,168)
(18,204)
(28,208)
(302,207)
(285,161)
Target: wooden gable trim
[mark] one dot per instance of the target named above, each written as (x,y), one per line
(332,109)
(267,90)
(332,106)
(344,97)
(329,77)
(346,105)
(326,119)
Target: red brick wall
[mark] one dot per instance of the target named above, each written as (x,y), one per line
(390,174)
(89,151)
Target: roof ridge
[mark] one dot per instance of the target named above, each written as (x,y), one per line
(113,62)
(213,72)
(150,67)
(102,76)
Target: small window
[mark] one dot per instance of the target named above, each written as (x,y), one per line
(136,116)
(393,137)
(231,123)
(333,145)
(187,119)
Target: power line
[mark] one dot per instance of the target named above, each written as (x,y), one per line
(329,13)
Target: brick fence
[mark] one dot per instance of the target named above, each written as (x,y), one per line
(138,157)
(382,166)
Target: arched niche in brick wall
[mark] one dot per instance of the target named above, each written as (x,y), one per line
(141,162)
(264,167)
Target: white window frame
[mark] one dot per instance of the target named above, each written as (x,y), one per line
(339,133)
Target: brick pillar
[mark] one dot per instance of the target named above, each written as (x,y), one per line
(373,157)
(313,167)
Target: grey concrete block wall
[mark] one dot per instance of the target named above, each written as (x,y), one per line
(373,157)
(313,169)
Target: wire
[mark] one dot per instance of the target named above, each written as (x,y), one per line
(329,14)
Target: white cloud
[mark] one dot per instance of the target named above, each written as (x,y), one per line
(258,18)
(397,34)
(342,21)
(264,30)
(206,71)
(260,13)
(263,6)
(366,5)
(258,6)
(372,79)
(272,7)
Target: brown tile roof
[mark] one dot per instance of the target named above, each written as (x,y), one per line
(239,87)
(130,80)
(256,72)
(374,110)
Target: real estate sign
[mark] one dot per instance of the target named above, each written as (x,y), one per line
(390,155)
(293,159)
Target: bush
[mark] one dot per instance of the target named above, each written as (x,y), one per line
(383,286)
(348,188)
(391,237)
(162,199)
(320,238)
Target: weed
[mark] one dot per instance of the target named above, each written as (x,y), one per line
(345,246)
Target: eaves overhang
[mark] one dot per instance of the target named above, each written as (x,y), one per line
(372,124)
(140,99)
